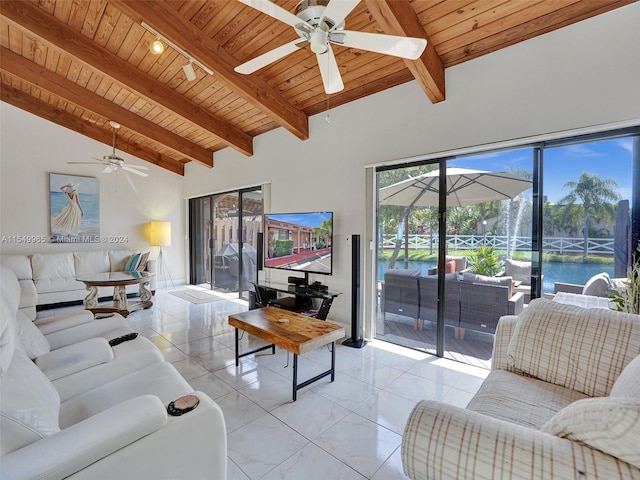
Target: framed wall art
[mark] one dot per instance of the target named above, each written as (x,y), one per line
(74,203)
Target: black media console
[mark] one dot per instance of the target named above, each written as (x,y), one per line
(298,298)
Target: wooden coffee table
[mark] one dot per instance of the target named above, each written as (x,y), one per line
(295,333)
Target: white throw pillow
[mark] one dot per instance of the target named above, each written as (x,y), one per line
(520,271)
(611,425)
(34,342)
(598,285)
(628,383)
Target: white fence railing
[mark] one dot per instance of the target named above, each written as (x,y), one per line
(560,245)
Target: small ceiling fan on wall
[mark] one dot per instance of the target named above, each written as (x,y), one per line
(320,23)
(112,162)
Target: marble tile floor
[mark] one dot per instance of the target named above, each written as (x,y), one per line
(349,429)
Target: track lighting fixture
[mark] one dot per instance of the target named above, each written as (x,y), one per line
(157,47)
(189,72)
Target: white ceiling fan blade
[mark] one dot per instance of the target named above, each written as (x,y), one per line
(404,47)
(329,70)
(139,167)
(268,57)
(133,170)
(82,163)
(337,10)
(273,10)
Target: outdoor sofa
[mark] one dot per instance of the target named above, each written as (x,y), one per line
(476,302)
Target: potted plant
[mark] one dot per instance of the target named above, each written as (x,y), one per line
(626,298)
(485,261)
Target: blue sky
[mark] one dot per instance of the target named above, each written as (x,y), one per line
(609,159)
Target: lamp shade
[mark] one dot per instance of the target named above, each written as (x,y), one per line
(160,234)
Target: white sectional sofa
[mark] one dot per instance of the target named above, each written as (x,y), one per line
(50,278)
(562,401)
(102,416)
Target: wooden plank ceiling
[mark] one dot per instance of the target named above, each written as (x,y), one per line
(81,63)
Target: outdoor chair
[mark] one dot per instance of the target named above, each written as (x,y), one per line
(400,293)
(482,305)
(429,300)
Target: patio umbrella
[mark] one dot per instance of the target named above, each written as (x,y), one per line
(464,187)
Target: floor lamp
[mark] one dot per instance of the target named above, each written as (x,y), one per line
(160,236)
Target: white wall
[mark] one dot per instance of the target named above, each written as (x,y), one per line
(31,148)
(585,75)
(581,76)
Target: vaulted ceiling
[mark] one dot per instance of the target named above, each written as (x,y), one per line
(81,63)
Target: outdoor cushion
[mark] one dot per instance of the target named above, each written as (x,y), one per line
(450,267)
(628,383)
(498,281)
(520,271)
(611,425)
(598,285)
(581,349)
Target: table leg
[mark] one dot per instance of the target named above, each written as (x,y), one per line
(295,376)
(91,300)
(145,294)
(237,357)
(333,361)
(120,297)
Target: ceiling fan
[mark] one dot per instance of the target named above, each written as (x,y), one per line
(112,162)
(320,23)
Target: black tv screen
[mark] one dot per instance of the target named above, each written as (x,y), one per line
(299,241)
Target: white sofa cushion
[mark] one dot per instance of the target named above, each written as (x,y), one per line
(628,383)
(581,349)
(118,259)
(54,272)
(33,340)
(29,405)
(611,425)
(91,262)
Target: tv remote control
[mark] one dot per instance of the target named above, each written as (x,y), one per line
(118,340)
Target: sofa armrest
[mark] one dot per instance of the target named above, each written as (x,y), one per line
(567,287)
(75,358)
(441,442)
(516,303)
(84,443)
(504,331)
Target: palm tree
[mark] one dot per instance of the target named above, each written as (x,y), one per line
(595,194)
(323,232)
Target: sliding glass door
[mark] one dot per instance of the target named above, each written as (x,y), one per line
(223,240)
(462,241)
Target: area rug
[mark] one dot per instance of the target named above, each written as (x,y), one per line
(197,296)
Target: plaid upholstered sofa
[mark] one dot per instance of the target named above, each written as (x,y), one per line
(562,401)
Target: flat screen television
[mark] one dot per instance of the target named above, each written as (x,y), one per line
(299,241)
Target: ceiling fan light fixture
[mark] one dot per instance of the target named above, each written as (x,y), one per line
(189,72)
(318,41)
(156,47)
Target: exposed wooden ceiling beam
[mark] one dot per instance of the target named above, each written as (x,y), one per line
(41,77)
(30,17)
(397,17)
(26,102)
(187,36)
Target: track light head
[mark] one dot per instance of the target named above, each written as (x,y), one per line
(189,72)
(157,47)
